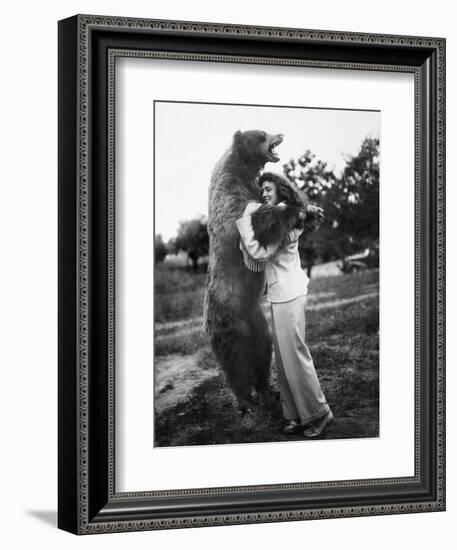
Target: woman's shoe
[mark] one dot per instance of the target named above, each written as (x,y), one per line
(317,428)
(292,428)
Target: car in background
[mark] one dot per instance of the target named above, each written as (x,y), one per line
(367,259)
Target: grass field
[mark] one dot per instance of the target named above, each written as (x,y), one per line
(193,404)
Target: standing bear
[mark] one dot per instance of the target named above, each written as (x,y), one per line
(233,317)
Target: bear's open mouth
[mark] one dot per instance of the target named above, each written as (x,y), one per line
(272,148)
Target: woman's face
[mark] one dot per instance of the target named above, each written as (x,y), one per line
(269,194)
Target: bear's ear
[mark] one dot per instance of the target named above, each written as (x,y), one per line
(237,136)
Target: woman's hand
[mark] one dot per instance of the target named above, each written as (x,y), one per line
(314,213)
(312,217)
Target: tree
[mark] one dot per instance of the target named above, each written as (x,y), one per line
(314,179)
(350,201)
(160,249)
(361,176)
(193,239)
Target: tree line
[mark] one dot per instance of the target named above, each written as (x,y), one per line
(192,238)
(350,201)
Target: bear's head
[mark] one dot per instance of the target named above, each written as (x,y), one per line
(257,146)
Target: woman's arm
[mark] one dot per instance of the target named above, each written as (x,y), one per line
(264,228)
(272,224)
(251,244)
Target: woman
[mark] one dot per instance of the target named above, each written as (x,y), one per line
(302,399)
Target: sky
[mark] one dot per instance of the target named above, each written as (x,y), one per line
(190,138)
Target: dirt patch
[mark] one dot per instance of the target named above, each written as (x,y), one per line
(342,302)
(175,376)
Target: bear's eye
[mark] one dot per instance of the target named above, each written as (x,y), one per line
(262,136)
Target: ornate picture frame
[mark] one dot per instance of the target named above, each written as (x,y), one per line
(88,48)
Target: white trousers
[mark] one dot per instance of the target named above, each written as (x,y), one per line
(301,394)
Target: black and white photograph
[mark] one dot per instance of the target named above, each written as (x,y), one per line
(224,288)
(266,273)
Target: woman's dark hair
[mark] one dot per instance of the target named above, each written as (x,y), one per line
(284,190)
